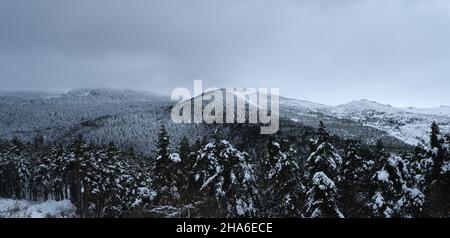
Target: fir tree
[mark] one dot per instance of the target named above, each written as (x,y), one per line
(321,198)
(281,177)
(186,166)
(321,172)
(225,179)
(437,202)
(435,136)
(393,196)
(165,171)
(355,180)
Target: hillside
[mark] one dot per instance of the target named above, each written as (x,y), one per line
(132,118)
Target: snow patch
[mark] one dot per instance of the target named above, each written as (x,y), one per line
(10,208)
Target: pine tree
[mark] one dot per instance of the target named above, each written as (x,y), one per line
(323,135)
(380,155)
(437,202)
(393,196)
(355,180)
(184,149)
(59,184)
(420,167)
(41,179)
(321,172)
(186,166)
(281,177)
(435,136)
(225,179)
(165,171)
(163,145)
(321,198)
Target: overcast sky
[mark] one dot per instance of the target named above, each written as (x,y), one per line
(332,52)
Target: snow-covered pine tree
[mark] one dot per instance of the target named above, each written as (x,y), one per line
(59,184)
(73,171)
(436,138)
(437,151)
(380,155)
(321,198)
(41,180)
(185,167)
(321,172)
(393,196)
(420,167)
(165,174)
(15,170)
(437,203)
(225,180)
(355,180)
(282,187)
(184,150)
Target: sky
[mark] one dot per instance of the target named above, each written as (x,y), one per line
(331,52)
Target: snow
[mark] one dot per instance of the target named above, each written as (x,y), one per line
(442,110)
(208,181)
(305,105)
(407,124)
(10,208)
(321,180)
(175,157)
(379,200)
(383,176)
(445,167)
(367,105)
(415,192)
(328,150)
(240,210)
(136,116)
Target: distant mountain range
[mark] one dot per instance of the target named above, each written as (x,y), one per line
(411,125)
(132,118)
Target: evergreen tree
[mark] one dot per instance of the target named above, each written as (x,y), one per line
(380,155)
(225,179)
(355,180)
(435,136)
(437,202)
(393,197)
(186,181)
(321,172)
(41,180)
(184,149)
(281,177)
(165,171)
(74,167)
(321,198)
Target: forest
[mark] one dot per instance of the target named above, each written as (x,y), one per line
(211,177)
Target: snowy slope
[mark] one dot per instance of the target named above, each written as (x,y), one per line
(407,124)
(442,110)
(132,118)
(413,128)
(10,208)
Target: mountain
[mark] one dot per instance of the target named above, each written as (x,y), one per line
(407,124)
(100,115)
(132,119)
(442,110)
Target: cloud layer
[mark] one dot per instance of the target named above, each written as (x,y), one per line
(392,51)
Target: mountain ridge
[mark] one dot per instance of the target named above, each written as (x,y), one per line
(111,112)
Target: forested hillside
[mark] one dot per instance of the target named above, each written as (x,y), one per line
(213,176)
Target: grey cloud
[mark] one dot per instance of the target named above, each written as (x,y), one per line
(326,51)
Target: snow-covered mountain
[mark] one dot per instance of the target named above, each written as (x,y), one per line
(132,118)
(410,125)
(442,110)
